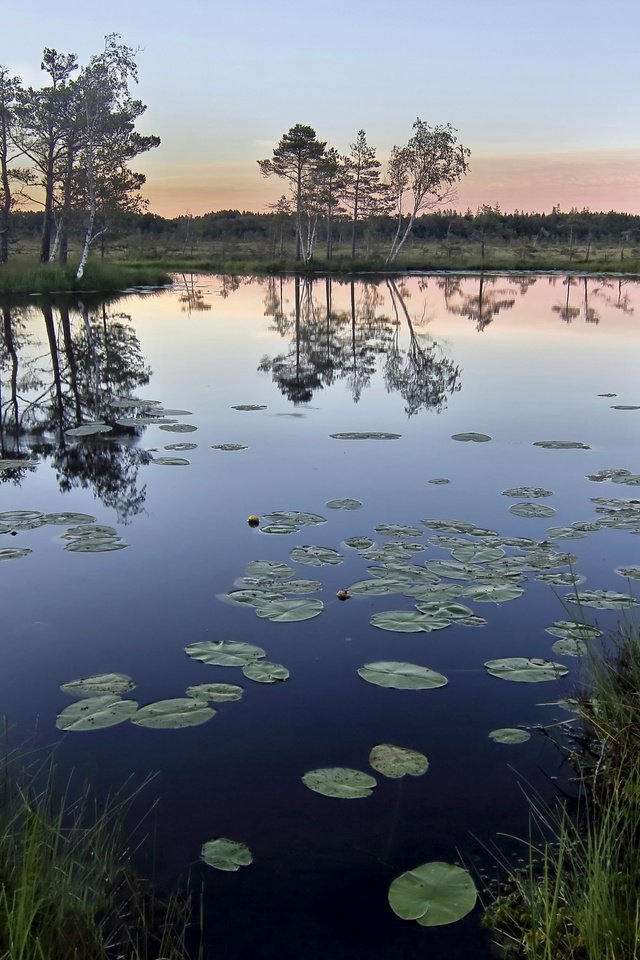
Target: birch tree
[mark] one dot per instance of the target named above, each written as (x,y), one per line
(422,175)
(295,160)
(108,138)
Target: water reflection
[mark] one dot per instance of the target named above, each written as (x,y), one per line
(67,374)
(327,345)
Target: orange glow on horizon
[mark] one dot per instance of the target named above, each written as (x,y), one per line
(597,180)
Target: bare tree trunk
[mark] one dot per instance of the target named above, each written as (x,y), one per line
(45,243)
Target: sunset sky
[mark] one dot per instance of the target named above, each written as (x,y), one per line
(544,93)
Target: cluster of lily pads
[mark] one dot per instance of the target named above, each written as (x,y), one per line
(83,534)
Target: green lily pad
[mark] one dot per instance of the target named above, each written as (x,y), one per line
(455,570)
(570,647)
(398,530)
(531,510)
(525,669)
(562,579)
(18,517)
(171,461)
(269,568)
(290,611)
(493,592)
(572,630)
(444,609)
(367,435)
(229,446)
(316,556)
(409,621)
(251,598)
(377,587)
(168,412)
(264,671)
(99,531)
(529,493)
(341,782)
(178,427)
(181,446)
(299,518)
(632,573)
(215,692)
(448,526)
(96,713)
(301,586)
(565,533)
(510,735)
(562,445)
(64,519)
(439,480)
(603,599)
(625,406)
(608,474)
(401,676)
(359,543)
(395,762)
(14,553)
(95,545)
(249,406)
(225,854)
(224,653)
(102,684)
(471,437)
(348,503)
(434,894)
(144,420)
(477,553)
(88,430)
(173,714)
(283,528)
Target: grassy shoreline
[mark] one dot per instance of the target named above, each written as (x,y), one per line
(20,279)
(579,896)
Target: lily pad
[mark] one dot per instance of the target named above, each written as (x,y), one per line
(178,427)
(96,713)
(225,854)
(608,474)
(95,545)
(229,446)
(434,894)
(477,553)
(269,568)
(525,669)
(250,598)
(395,762)
(14,553)
(359,543)
(632,573)
(565,533)
(444,609)
(249,406)
(316,556)
(572,630)
(439,480)
(88,430)
(173,714)
(347,503)
(18,517)
(493,592)
(562,445)
(509,735)
(171,461)
(301,586)
(367,435)
(289,611)
(471,437)
(401,676)
(298,518)
(529,493)
(377,587)
(102,684)
(531,510)
(215,692)
(398,530)
(561,579)
(603,599)
(570,647)
(181,446)
(625,406)
(341,782)
(409,621)
(224,653)
(64,519)
(265,671)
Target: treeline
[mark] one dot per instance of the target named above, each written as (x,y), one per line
(66,147)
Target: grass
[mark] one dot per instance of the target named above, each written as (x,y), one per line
(20,278)
(68,890)
(579,897)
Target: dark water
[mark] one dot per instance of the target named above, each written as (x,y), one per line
(520,360)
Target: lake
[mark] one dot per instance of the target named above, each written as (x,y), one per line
(385,434)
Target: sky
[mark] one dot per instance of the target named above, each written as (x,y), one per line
(544,93)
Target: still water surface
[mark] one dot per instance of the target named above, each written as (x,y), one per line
(517,359)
